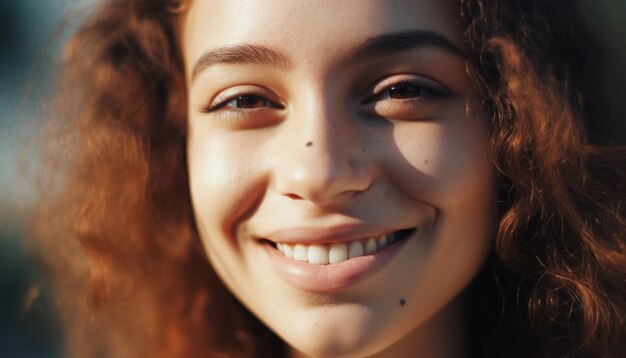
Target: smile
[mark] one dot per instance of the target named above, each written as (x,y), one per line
(324,266)
(324,254)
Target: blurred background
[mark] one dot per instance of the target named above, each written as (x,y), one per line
(31,32)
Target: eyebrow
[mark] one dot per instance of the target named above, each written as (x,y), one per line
(241,54)
(389,44)
(382,45)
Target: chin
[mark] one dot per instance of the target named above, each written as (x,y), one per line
(339,332)
(344,347)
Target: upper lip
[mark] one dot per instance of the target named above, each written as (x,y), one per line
(327,235)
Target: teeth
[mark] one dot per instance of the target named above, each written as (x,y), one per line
(300,253)
(355,249)
(331,254)
(337,253)
(287,250)
(370,246)
(382,242)
(318,255)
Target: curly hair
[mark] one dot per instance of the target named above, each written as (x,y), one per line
(116,234)
(561,229)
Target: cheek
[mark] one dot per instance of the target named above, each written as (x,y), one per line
(447,164)
(224,175)
(225,178)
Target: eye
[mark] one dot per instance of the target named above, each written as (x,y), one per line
(408,90)
(405,90)
(240,102)
(407,96)
(248,101)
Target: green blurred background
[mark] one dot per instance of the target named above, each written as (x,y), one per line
(30,34)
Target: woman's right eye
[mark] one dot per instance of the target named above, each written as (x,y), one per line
(241,102)
(248,101)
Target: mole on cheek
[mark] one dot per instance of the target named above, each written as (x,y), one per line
(402,302)
(308,144)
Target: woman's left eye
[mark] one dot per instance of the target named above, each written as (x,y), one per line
(408,90)
(406,96)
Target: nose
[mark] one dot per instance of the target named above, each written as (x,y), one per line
(323,158)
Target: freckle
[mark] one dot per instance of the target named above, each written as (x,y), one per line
(425,161)
(308,144)
(402,302)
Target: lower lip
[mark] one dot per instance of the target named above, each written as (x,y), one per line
(325,278)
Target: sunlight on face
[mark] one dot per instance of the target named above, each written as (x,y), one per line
(339,170)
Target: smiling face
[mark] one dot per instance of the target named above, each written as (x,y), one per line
(339,167)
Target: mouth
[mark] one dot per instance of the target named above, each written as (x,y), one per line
(334,253)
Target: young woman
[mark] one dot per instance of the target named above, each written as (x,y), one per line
(336,179)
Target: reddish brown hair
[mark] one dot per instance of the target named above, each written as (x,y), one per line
(562,229)
(117,237)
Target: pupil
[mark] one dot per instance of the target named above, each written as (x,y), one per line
(249,102)
(404,91)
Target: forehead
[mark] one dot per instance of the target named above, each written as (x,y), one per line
(310,30)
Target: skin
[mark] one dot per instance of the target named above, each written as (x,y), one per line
(421,161)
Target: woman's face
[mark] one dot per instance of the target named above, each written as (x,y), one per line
(318,130)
